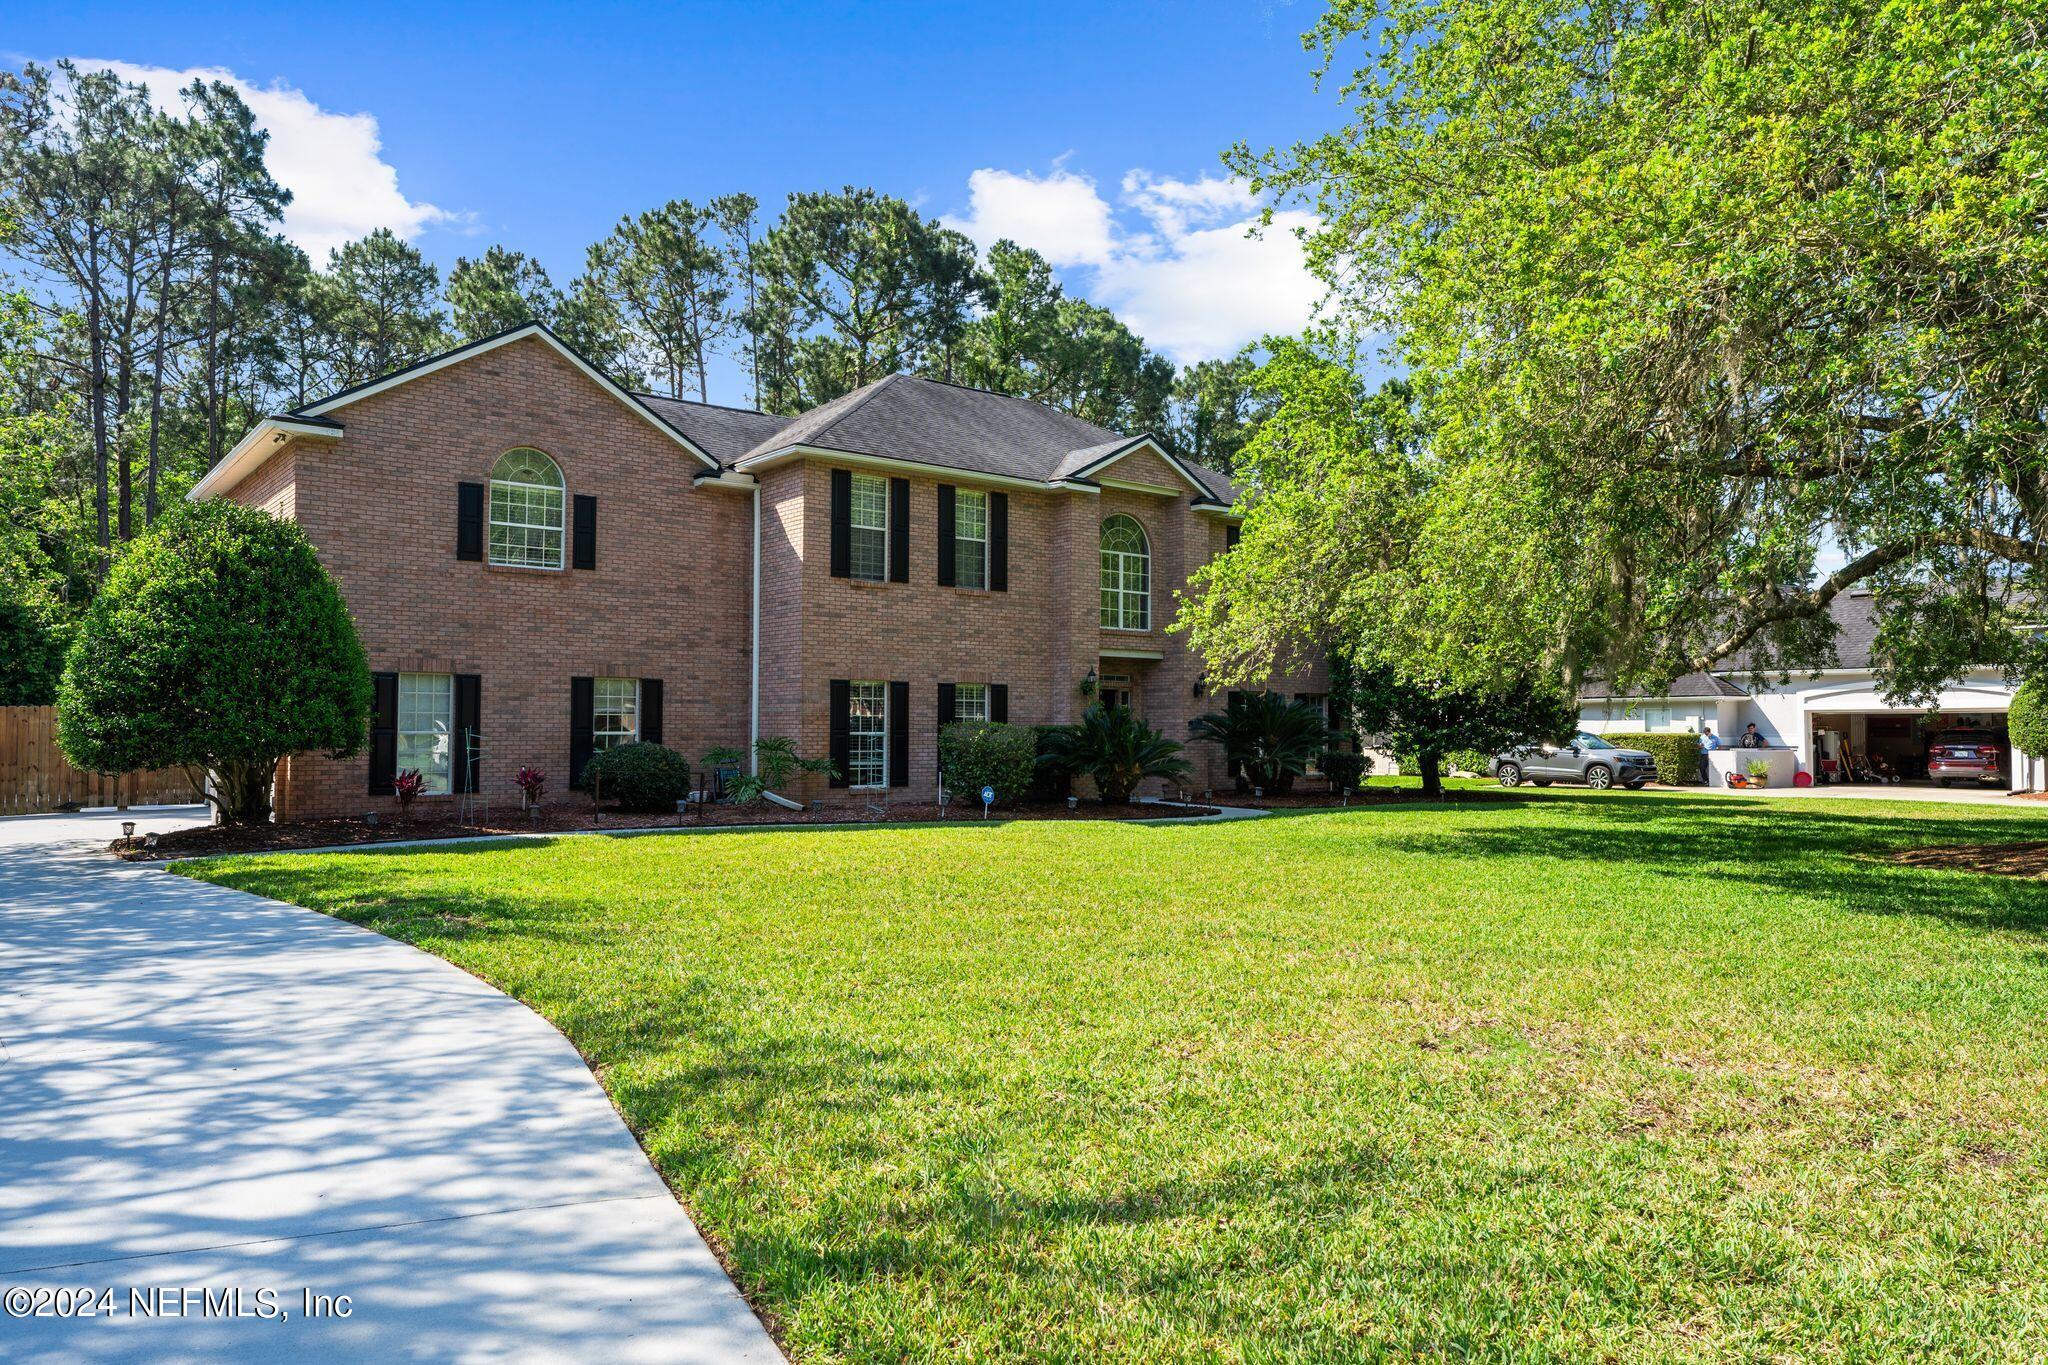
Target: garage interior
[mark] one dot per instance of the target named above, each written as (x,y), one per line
(1899,739)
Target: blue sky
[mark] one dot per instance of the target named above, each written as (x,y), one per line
(1089,131)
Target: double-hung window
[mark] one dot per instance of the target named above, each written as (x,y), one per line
(970,539)
(868,528)
(615,712)
(970,701)
(426,727)
(867,734)
(526,510)
(1126,575)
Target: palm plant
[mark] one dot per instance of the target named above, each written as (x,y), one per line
(1270,739)
(1115,748)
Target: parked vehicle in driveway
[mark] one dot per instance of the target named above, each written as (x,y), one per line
(1583,758)
(1965,756)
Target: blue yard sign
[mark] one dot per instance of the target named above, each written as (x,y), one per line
(988,798)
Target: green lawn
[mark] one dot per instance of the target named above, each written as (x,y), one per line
(1633,1077)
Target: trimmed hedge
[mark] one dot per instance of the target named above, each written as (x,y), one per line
(1678,756)
(1467,760)
(1345,770)
(974,754)
(2026,724)
(642,777)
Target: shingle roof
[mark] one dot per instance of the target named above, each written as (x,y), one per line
(1687,687)
(725,433)
(928,421)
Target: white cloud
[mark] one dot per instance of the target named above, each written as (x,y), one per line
(1178,263)
(333,164)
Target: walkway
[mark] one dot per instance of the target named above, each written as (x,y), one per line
(203,1090)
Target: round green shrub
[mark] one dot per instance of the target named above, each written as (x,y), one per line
(641,777)
(2026,724)
(1345,770)
(975,754)
(218,642)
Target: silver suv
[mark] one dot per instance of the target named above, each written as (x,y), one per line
(1582,758)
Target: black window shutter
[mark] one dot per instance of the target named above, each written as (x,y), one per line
(839,748)
(383,733)
(899,530)
(945,705)
(582,713)
(999,542)
(650,711)
(469,521)
(1230,536)
(585,524)
(842,523)
(999,703)
(468,721)
(946,546)
(899,733)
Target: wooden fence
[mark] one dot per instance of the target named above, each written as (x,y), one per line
(35,777)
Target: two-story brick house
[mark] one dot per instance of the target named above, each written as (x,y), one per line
(540,559)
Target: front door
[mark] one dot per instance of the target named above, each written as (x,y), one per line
(1115,691)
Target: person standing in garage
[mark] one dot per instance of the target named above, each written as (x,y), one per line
(1708,743)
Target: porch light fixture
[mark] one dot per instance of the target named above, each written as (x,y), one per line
(1201,686)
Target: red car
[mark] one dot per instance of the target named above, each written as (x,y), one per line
(1965,756)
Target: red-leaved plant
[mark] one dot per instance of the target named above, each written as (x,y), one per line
(405,787)
(533,782)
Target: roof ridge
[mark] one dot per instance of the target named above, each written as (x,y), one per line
(696,403)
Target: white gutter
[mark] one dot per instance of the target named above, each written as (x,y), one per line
(754,654)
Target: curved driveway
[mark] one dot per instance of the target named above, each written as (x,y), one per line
(202,1090)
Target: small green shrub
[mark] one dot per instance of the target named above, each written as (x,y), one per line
(1678,756)
(1053,780)
(2026,724)
(640,777)
(1345,770)
(977,754)
(1467,761)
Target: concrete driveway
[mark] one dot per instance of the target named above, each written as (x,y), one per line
(202,1092)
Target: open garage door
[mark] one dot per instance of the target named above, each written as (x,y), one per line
(1917,747)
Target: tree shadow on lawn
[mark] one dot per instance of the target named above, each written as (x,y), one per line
(1830,855)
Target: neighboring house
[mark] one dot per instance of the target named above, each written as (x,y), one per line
(540,558)
(1841,700)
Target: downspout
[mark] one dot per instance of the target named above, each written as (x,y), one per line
(754,654)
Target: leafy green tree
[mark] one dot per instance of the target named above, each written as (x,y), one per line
(1690,292)
(1431,720)
(500,290)
(218,643)
(864,286)
(1217,405)
(382,302)
(31,652)
(664,277)
(1111,745)
(1269,739)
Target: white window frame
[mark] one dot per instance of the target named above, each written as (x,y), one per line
(856,528)
(524,491)
(434,729)
(970,550)
(1117,566)
(970,702)
(603,737)
(858,734)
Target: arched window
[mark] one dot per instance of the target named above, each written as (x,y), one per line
(526,510)
(1126,576)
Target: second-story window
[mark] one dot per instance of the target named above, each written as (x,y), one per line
(970,539)
(1126,576)
(526,510)
(868,520)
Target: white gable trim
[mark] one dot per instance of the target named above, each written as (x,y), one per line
(250,453)
(489,344)
(1135,445)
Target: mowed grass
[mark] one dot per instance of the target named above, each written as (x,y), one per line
(1622,1077)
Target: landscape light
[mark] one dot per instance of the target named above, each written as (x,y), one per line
(127,829)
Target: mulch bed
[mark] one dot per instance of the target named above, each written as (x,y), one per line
(206,841)
(2004,860)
